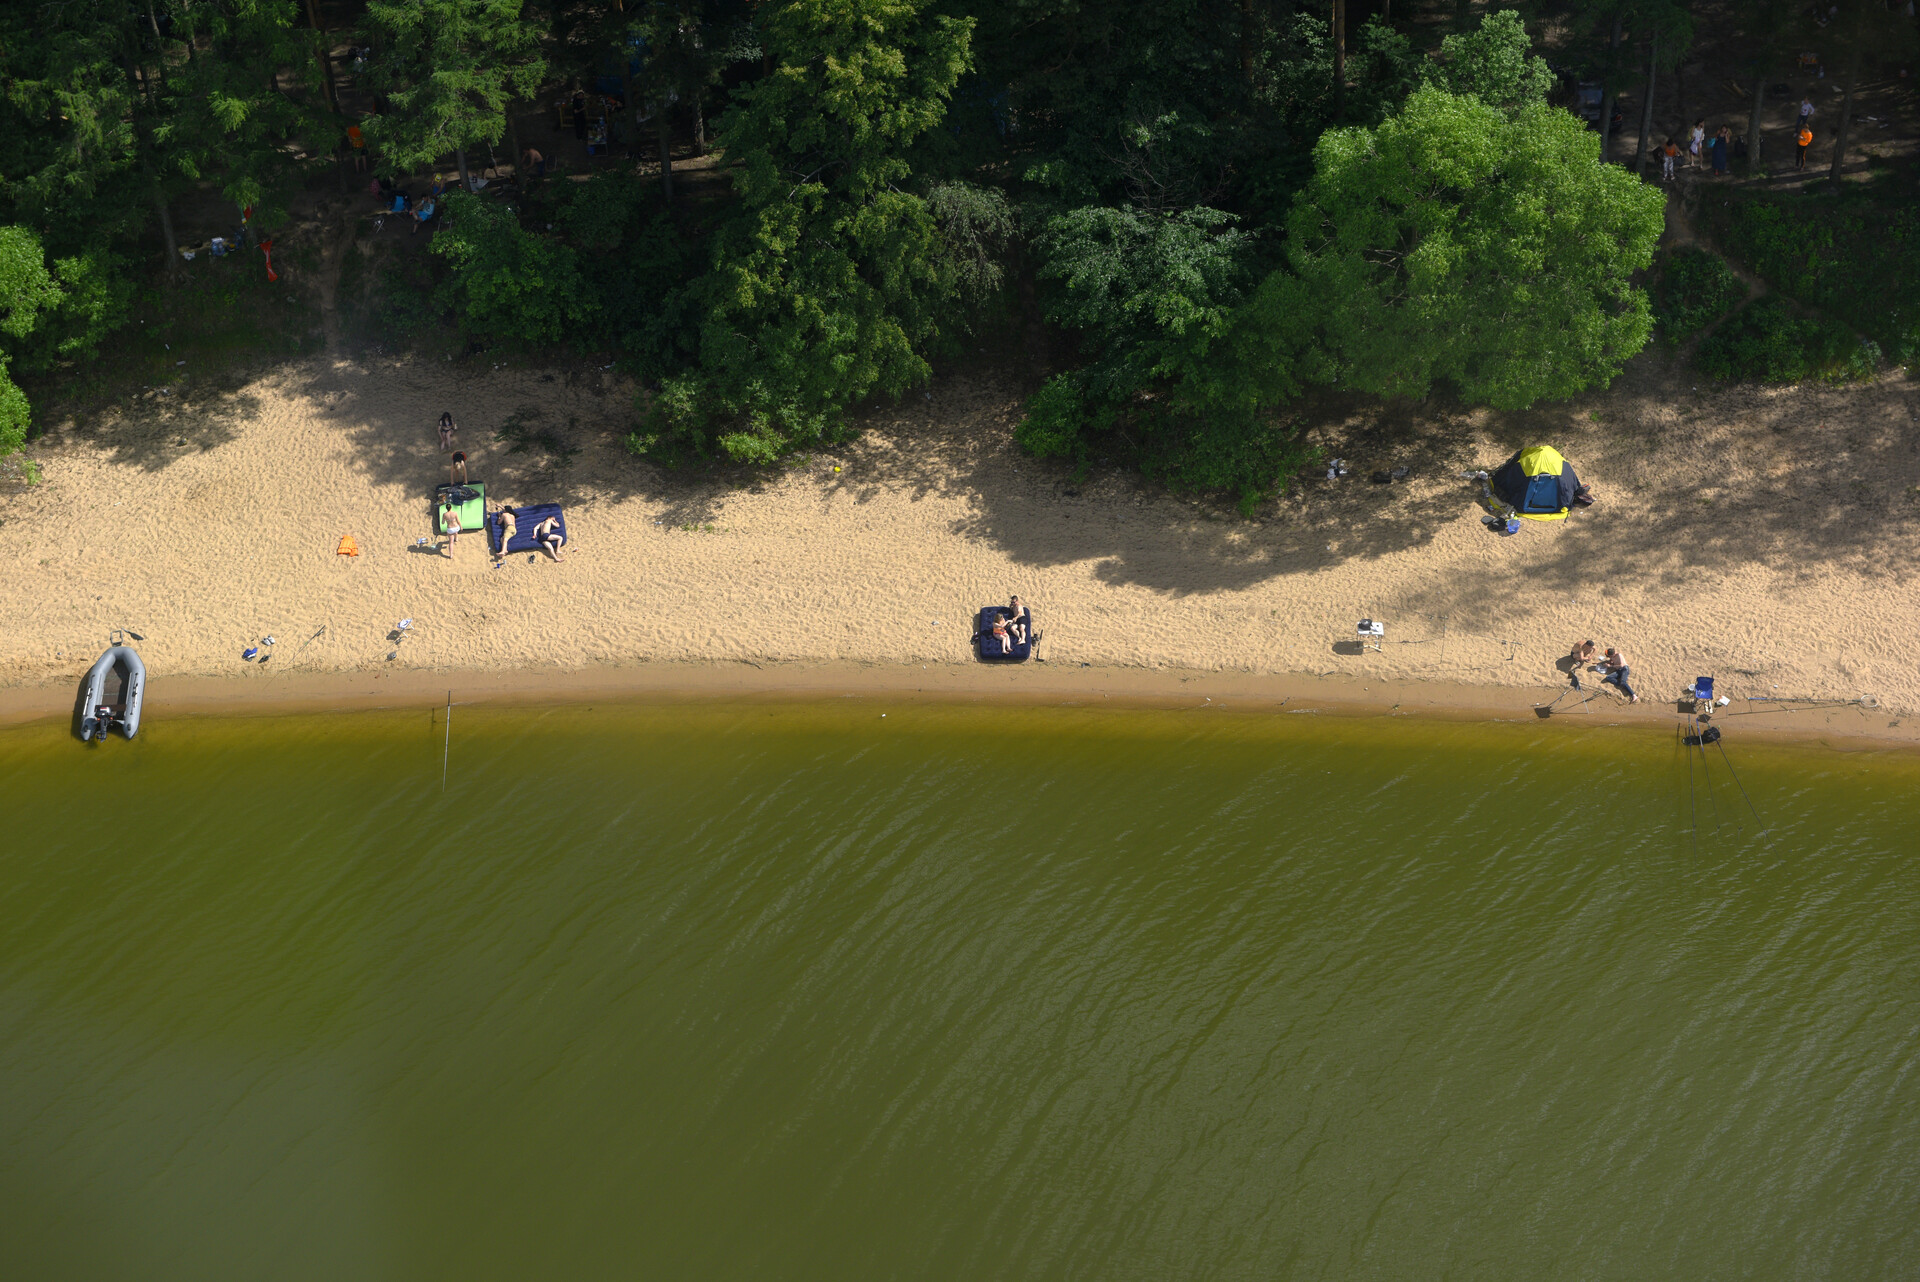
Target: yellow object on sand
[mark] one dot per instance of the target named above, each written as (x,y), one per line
(347,546)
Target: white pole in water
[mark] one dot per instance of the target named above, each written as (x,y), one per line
(447,746)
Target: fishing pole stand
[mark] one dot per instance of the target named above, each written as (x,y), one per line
(1371,634)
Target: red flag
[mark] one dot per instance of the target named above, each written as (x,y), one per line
(266,247)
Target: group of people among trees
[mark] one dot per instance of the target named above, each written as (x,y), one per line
(1217,203)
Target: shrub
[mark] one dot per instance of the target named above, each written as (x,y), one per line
(1696,288)
(1057,421)
(1854,254)
(505,282)
(1770,343)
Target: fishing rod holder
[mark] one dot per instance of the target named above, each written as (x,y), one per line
(1371,634)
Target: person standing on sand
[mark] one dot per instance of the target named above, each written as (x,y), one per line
(1720,152)
(1696,143)
(1617,674)
(1669,153)
(458,473)
(447,428)
(1804,141)
(450,517)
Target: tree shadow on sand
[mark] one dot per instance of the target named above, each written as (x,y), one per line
(161,427)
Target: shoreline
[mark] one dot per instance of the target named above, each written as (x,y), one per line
(1838,727)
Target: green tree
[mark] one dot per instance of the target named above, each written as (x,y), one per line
(27,291)
(1495,63)
(827,280)
(1461,243)
(227,120)
(1191,351)
(505,282)
(449,69)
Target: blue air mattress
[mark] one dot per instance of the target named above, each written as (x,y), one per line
(987,646)
(524,521)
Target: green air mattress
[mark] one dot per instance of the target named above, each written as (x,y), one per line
(472,513)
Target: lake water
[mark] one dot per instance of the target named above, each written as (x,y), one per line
(804,992)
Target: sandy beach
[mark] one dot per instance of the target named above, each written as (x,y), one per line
(1762,535)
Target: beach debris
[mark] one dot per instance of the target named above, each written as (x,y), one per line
(347,546)
(249,653)
(1336,469)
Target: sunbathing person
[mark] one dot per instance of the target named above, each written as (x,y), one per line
(1000,632)
(507,528)
(1022,620)
(547,535)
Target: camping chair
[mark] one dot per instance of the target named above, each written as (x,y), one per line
(1702,696)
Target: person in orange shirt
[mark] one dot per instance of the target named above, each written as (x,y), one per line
(1805,140)
(358,142)
(1668,154)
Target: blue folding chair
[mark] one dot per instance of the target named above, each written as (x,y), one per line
(1703,689)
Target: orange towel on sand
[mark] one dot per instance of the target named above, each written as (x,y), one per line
(347,546)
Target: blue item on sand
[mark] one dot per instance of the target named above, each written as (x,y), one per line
(987,647)
(524,521)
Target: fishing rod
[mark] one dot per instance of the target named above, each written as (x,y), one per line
(1693,812)
(1805,703)
(1736,783)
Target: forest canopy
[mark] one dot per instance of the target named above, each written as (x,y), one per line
(1193,210)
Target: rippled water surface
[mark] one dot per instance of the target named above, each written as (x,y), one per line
(788,992)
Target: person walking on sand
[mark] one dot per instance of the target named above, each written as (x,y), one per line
(1696,143)
(1617,674)
(1803,141)
(447,428)
(1806,112)
(507,529)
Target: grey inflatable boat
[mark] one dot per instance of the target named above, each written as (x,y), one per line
(115,685)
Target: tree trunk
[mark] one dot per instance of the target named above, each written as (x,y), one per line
(662,131)
(174,269)
(1246,41)
(460,158)
(1339,58)
(521,177)
(1462,14)
(1646,109)
(1386,13)
(1753,119)
(699,121)
(1853,81)
(326,59)
(1609,96)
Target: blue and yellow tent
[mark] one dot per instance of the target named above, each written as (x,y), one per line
(1537,483)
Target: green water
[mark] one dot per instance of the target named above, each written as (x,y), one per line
(808,993)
